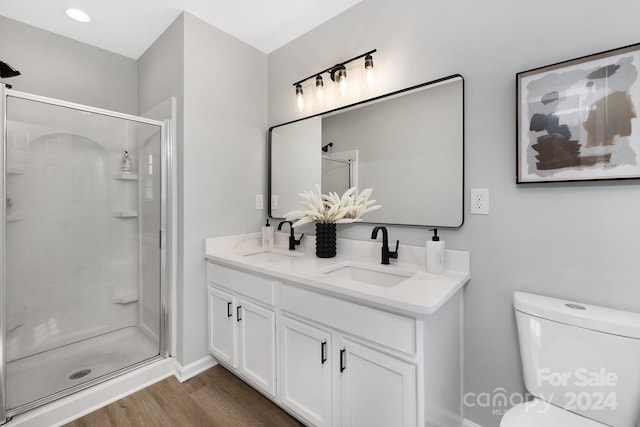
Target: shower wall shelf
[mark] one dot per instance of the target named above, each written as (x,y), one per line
(14,218)
(12,170)
(126,177)
(124,298)
(125,214)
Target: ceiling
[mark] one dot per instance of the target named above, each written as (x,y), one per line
(129,27)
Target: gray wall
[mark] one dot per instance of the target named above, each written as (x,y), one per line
(59,67)
(570,241)
(161,76)
(221,86)
(223,158)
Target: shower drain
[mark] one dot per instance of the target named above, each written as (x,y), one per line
(79,374)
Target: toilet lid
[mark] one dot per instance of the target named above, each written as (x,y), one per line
(538,413)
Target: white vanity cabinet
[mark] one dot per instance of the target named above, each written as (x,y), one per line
(242,324)
(223,342)
(340,361)
(306,370)
(375,389)
(373,365)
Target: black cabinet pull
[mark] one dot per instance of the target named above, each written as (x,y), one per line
(229,313)
(323,352)
(238,313)
(342,361)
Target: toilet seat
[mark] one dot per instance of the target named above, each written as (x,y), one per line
(536,413)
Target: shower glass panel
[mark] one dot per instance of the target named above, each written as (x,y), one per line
(83,260)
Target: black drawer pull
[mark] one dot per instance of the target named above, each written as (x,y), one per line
(323,352)
(342,360)
(238,313)
(229,313)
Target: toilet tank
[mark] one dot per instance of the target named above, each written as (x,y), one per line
(581,357)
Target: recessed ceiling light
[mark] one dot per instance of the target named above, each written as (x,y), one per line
(78,15)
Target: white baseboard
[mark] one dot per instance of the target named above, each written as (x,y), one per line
(84,402)
(183,373)
(469,423)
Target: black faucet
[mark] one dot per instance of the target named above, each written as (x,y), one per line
(386,253)
(292,240)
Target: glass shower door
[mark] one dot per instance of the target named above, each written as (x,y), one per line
(83,274)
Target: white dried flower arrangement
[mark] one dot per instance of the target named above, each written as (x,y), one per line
(330,208)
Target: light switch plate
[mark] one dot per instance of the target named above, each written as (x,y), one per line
(259,202)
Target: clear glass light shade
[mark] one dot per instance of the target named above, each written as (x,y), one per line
(368,73)
(299,99)
(319,89)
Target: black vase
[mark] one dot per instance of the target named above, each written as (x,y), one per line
(325,240)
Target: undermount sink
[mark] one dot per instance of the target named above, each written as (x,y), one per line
(373,275)
(272,255)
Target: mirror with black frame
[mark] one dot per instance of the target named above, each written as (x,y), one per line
(408,146)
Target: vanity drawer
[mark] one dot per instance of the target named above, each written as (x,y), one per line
(388,329)
(259,288)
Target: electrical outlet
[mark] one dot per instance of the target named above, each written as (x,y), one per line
(479,201)
(259,202)
(274,202)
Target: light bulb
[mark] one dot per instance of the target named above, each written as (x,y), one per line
(369,77)
(343,85)
(300,103)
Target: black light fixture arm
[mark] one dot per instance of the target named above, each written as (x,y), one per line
(341,64)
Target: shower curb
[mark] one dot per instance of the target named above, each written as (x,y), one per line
(79,404)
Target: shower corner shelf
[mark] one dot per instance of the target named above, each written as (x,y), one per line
(14,218)
(126,177)
(124,298)
(125,214)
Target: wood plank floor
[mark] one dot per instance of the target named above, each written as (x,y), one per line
(215,398)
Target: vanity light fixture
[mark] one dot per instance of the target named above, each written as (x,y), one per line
(78,15)
(7,71)
(368,62)
(368,70)
(299,97)
(319,88)
(338,74)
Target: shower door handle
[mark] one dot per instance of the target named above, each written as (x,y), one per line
(229,313)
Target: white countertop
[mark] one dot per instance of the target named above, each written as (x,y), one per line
(422,293)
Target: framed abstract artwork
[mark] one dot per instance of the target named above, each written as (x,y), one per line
(577,120)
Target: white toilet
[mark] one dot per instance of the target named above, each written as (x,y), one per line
(581,362)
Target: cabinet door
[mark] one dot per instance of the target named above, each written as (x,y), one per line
(222,337)
(305,371)
(376,389)
(257,345)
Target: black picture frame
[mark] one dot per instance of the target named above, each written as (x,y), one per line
(577,120)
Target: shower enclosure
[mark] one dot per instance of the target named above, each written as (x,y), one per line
(82,295)
(339,171)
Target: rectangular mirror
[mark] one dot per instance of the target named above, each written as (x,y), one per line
(408,146)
